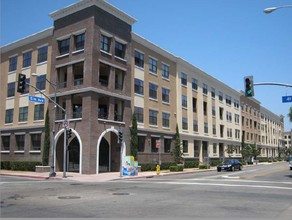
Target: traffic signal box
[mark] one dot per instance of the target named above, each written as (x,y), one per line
(69,133)
(248,85)
(21,83)
(120,137)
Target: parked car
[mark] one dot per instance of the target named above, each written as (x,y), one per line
(290,162)
(230,165)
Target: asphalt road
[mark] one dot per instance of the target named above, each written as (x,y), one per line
(263,191)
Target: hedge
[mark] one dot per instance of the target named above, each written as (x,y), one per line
(20,165)
(176,168)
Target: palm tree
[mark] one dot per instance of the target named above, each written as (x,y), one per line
(134,137)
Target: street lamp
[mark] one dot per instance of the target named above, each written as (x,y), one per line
(271,9)
(52,167)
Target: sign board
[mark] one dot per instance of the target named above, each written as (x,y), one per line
(36,99)
(157,143)
(65,124)
(287,99)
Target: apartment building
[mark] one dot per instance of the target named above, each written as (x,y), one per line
(288,139)
(100,73)
(154,99)
(22,121)
(208,114)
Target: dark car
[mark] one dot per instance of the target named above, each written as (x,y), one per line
(230,165)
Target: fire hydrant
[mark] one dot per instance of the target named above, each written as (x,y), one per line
(157,169)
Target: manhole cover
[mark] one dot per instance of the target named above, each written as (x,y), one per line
(69,197)
(121,194)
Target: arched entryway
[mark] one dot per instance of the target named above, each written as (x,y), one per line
(104,156)
(108,151)
(74,152)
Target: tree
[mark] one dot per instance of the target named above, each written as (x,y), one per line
(230,150)
(290,114)
(134,137)
(47,143)
(177,151)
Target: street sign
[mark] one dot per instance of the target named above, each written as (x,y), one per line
(287,99)
(36,99)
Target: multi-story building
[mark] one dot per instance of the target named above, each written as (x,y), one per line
(22,121)
(100,73)
(154,99)
(208,114)
(288,139)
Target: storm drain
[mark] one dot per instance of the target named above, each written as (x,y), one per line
(121,194)
(69,197)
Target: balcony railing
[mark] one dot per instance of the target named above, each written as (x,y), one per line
(78,82)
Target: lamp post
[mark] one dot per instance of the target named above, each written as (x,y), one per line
(271,9)
(52,167)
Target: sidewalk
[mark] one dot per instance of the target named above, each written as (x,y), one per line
(102,177)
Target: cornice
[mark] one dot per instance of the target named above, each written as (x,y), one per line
(28,40)
(88,3)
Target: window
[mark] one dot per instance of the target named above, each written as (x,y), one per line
(185,146)
(12,63)
(184,79)
(105,43)
(237,134)
(20,141)
(229,132)
(220,96)
(26,59)
(152,65)
(64,46)
(42,54)
(236,118)
(9,116)
(213,111)
(141,143)
(27,81)
(153,91)
(36,142)
(184,123)
(221,110)
(205,89)
(23,111)
(165,95)
(194,105)
(165,71)
(228,99)
(205,109)
(153,144)
(165,119)
(195,126)
(41,82)
(11,89)
(153,117)
(120,50)
(206,128)
(195,84)
(79,41)
(213,92)
(184,101)
(139,87)
(236,103)
(167,145)
(214,148)
(39,112)
(139,59)
(139,114)
(214,129)
(228,116)
(5,144)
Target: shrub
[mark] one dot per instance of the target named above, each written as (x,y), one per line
(191,164)
(20,165)
(148,166)
(203,166)
(176,168)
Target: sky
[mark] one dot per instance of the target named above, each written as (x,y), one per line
(227,39)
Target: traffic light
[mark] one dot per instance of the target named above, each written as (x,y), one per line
(69,133)
(248,85)
(120,136)
(21,83)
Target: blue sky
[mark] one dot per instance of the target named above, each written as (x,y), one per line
(228,39)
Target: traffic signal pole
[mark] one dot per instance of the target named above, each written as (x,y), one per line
(272,84)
